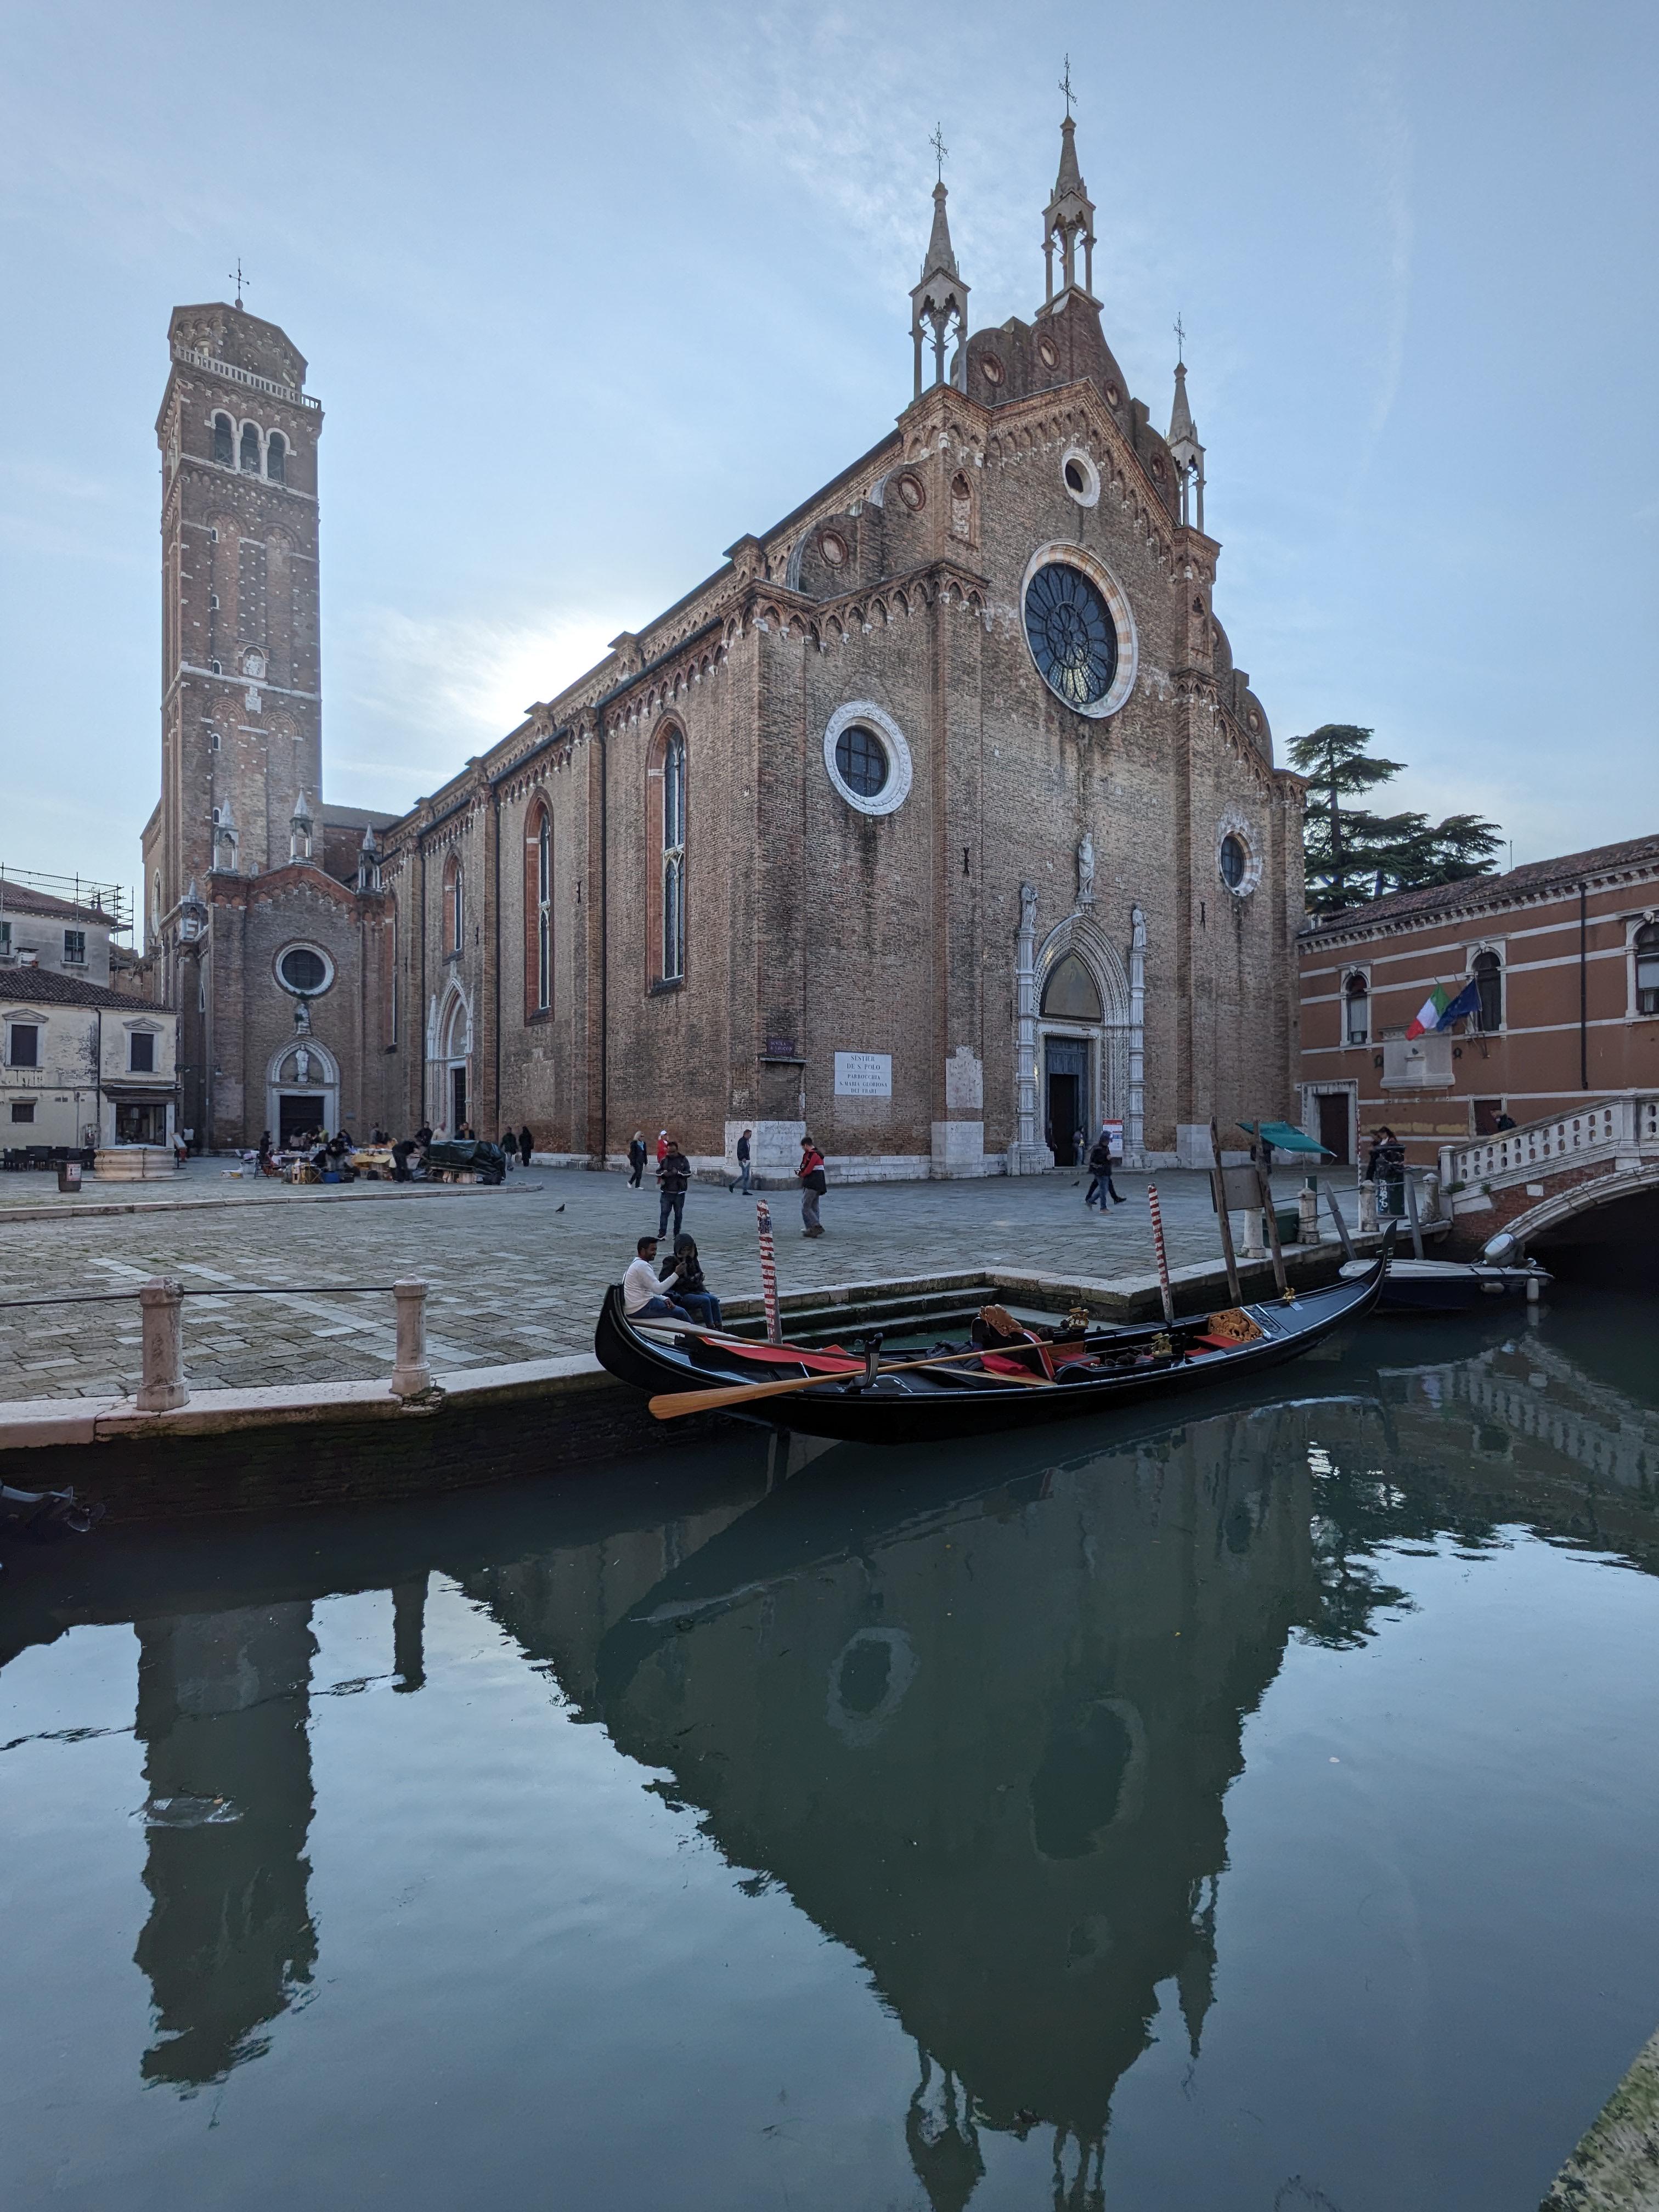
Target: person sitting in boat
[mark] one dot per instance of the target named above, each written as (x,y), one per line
(642,1294)
(684,1272)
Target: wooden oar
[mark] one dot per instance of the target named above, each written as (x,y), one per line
(669,1407)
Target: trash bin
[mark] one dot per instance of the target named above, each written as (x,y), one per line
(69,1174)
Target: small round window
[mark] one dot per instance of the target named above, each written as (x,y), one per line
(304,971)
(1050,359)
(1080,477)
(910,491)
(867,759)
(990,368)
(861,759)
(1235,861)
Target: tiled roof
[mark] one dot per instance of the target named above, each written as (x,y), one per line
(44,986)
(17,898)
(1489,890)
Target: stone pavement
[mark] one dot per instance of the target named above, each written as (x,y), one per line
(516,1273)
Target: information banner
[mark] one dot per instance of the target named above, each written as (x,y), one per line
(1114,1138)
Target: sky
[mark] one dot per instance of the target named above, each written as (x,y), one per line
(588,293)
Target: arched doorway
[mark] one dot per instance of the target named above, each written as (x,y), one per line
(1083,1037)
(302,1090)
(449,1055)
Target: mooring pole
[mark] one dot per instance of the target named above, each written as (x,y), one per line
(768,1259)
(1412,1215)
(1162,1256)
(1342,1235)
(1218,1179)
(1264,1185)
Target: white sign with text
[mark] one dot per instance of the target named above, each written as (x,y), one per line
(864,1075)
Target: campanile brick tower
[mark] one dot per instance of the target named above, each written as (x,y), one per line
(241,716)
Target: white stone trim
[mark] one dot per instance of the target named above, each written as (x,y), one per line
(1089,495)
(1128,639)
(900,771)
(1235,822)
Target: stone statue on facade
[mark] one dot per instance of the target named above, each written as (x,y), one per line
(1085,871)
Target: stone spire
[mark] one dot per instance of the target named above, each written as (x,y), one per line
(300,828)
(1186,452)
(940,301)
(369,861)
(1068,221)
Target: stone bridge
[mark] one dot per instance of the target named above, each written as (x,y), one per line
(1536,1180)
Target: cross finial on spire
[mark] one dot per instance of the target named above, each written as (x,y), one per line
(239,279)
(1066,85)
(1180,339)
(940,149)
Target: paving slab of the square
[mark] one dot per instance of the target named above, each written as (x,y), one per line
(516,1273)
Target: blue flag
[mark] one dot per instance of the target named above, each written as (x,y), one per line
(1468,1001)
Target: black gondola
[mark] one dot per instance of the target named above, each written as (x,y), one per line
(1003,1385)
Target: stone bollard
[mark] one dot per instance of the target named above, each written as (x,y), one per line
(1307,1207)
(1248,1234)
(411,1375)
(1368,1209)
(1431,1198)
(161,1309)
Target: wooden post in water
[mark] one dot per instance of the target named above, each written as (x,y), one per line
(1412,1215)
(1264,1184)
(768,1259)
(1219,1183)
(1162,1256)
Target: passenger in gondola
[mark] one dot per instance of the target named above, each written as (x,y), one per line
(683,1278)
(642,1293)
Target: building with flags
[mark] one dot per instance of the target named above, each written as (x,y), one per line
(1450,1013)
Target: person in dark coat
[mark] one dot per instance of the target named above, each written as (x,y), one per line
(683,1281)
(526,1146)
(637,1157)
(743,1164)
(1100,1167)
(673,1180)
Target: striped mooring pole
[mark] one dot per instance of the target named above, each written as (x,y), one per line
(769,1273)
(1163,1255)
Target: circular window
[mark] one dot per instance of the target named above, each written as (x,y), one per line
(1158,468)
(862,760)
(1047,355)
(833,549)
(1234,861)
(1080,477)
(910,491)
(1073,637)
(304,971)
(1113,397)
(1235,858)
(867,758)
(990,368)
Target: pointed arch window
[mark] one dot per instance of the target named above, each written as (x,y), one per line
(668,784)
(250,450)
(223,440)
(454,906)
(276,457)
(539,912)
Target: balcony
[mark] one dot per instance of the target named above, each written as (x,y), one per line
(1423,1063)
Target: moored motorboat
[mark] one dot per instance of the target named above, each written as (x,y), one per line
(1503,1271)
(1003,1381)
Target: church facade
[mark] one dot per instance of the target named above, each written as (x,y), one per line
(938,820)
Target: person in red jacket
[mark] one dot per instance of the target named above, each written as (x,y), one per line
(813,1183)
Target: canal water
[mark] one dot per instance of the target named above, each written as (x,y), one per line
(1254,1809)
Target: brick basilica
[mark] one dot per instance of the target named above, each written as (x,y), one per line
(938,819)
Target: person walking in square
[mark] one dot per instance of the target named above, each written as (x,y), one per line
(813,1183)
(636,1159)
(662,1145)
(743,1164)
(526,1146)
(1100,1167)
(673,1179)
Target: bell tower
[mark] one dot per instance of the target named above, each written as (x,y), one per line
(242,711)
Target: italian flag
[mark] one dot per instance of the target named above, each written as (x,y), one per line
(1428,1015)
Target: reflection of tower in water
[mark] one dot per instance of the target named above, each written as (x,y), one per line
(223,1714)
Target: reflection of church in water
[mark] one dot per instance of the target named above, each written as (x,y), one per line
(984,1746)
